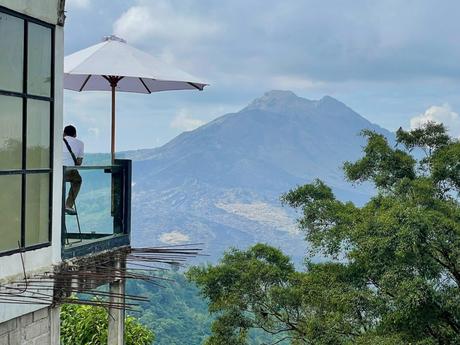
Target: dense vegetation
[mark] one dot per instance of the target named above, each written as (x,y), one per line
(177,313)
(391,275)
(87,325)
(393,269)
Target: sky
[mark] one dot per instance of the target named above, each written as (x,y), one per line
(395,62)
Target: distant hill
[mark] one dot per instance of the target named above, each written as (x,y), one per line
(220,183)
(177,313)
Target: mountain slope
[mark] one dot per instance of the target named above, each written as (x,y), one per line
(220,184)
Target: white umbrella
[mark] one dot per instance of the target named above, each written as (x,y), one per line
(113,65)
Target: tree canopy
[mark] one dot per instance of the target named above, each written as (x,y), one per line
(392,268)
(88,325)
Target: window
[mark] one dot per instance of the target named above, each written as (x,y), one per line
(26,118)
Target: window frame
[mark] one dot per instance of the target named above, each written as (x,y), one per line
(24,96)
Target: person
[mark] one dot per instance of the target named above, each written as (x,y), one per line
(72,155)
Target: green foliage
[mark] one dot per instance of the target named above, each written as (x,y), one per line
(429,137)
(248,289)
(381,164)
(88,325)
(177,312)
(393,269)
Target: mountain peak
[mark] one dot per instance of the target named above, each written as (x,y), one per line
(329,101)
(276,100)
(280,94)
(330,104)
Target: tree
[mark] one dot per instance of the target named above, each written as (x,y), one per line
(88,325)
(392,274)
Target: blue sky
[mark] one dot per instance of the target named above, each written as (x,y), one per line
(395,62)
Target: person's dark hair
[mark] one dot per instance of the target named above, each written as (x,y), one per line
(70,131)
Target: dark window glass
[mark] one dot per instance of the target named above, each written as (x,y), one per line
(10,133)
(39,57)
(25,131)
(37,208)
(38,134)
(10,212)
(11,52)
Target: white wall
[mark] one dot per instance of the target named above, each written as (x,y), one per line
(46,10)
(58,127)
(11,269)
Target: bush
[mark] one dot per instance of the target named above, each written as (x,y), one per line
(88,325)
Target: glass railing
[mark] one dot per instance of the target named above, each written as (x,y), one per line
(102,208)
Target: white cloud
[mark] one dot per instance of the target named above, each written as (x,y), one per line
(161,21)
(184,122)
(78,3)
(440,114)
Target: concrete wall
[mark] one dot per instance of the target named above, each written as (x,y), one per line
(37,328)
(58,128)
(11,269)
(46,10)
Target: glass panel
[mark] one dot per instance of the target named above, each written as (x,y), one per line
(38,134)
(10,211)
(39,55)
(10,133)
(12,52)
(93,203)
(37,208)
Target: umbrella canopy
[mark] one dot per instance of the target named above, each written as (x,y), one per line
(113,65)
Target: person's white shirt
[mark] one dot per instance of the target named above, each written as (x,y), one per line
(77,147)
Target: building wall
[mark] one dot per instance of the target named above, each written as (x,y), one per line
(46,10)
(36,328)
(39,260)
(11,269)
(58,128)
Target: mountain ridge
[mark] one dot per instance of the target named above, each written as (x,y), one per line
(220,183)
(276,99)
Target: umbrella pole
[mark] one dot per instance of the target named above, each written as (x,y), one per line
(113,123)
(113,84)
(113,80)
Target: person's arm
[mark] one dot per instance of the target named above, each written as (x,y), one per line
(80,154)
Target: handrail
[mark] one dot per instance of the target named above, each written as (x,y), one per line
(90,167)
